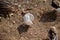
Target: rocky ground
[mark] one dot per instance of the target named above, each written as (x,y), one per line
(12,23)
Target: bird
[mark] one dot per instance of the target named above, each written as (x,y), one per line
(28,18)
(54,5)
(53,35)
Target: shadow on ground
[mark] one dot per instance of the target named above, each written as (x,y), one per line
(23,28)
(49,16)
(4,9)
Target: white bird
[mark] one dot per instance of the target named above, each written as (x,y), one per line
(28,18)
(54,33)
(56,37)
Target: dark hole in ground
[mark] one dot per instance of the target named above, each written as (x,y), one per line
(54,5)
(4,9)
(23,28)
(50,16)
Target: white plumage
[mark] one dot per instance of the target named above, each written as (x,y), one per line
(56,36)
(28,18)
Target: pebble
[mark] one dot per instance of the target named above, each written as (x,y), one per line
(13,22)
(19,5)
(0,17)
(44,1)
(11,14)
(31,33)
(27,1)
(22,38)
(16,4)
(36,5)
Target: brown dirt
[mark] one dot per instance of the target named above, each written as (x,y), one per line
(10,27)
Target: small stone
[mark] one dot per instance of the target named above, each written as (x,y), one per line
(36,5)
(44,1)
(16,3)
(11,14)
(23,10)
(19,5)
(0,17)
(22,38)
(31,33)
(13,22)
(27,1)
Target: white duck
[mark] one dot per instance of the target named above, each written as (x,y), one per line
(56,37)
(28,18)
(56,33)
